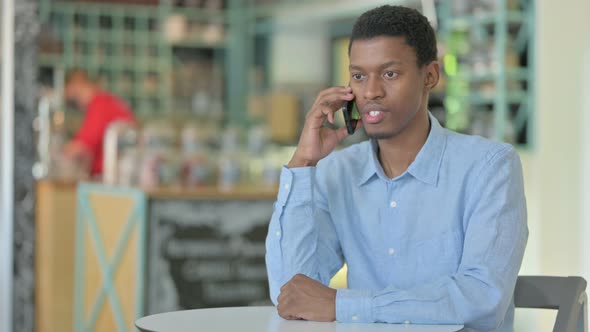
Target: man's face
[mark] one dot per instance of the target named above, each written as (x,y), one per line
(389,87)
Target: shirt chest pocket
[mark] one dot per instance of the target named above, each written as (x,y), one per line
(434,257)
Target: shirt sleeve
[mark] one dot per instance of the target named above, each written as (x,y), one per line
(479,294)
(301,236)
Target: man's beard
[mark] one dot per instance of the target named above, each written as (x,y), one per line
(382,135)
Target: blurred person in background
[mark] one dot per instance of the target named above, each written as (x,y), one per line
(100,110)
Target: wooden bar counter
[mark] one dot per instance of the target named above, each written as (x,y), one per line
(55,228)
(142,252)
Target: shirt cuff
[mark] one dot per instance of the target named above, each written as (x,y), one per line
(296,185)
(354,306)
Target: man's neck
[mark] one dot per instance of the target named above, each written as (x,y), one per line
(396,154)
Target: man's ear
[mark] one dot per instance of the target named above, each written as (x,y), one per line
(432,75)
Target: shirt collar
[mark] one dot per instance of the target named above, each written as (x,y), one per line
(425,167)
(371,167)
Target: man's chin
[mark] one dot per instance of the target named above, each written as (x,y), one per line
(380,135)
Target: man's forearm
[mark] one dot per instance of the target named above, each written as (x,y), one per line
(291,242)
(301,238)
(477,302)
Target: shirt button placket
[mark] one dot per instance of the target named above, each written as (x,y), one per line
(392,186)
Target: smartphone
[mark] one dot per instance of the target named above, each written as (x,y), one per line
(349,119)
(347,107)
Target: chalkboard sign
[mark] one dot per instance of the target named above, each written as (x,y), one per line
(205,254)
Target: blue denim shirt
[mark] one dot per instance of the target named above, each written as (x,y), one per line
(440,244)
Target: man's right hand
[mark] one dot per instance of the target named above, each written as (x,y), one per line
(317,141)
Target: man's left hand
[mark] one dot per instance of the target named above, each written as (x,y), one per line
(307,299)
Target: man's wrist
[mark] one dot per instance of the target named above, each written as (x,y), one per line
(333,303)
(298,162)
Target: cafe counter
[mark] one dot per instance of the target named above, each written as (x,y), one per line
(107,255)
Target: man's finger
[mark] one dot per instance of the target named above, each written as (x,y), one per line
(285,286)
(299,276)
(286,311)
(281,312)
(331,117)
(332,90)
(330,104)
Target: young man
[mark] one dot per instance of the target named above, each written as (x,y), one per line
(100,110)
(431,223)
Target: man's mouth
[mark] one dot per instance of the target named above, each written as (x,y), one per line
(373,116)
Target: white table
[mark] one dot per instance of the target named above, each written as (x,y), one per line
(262,319)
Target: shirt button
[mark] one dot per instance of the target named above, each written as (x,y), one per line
(287,186)
(355,317)
(278,233)
(393,204)
(391,251)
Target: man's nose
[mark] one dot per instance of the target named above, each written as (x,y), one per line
(374,89)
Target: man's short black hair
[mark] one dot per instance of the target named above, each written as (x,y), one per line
(398,21)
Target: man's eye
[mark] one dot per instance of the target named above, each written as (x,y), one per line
(357,76)
(390,74)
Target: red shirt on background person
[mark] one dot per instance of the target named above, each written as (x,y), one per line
(100,110)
